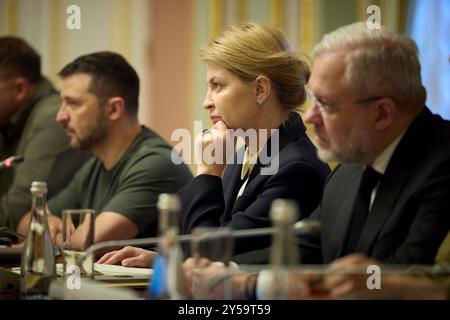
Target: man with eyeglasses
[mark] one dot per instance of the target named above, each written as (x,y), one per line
(390,196)
(388,201)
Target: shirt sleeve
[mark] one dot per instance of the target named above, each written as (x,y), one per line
(69,198)
(139,188)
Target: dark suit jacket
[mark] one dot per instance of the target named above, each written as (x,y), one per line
(410,215)
(209,201)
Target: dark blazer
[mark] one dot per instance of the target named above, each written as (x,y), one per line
(210,201)
(410,215)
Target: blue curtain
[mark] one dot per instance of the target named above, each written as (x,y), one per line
(429,26)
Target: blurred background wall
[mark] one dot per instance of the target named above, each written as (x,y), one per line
(161,38)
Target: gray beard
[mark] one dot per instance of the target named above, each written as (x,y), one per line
(352,153)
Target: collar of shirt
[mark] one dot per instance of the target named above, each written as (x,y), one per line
(248,163)
(381,162)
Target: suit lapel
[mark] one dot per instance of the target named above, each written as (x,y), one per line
(232,183)
(394,180)
(292,130)
(388,192)
(344,215)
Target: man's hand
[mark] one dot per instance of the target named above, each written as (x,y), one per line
(55,226)
(190,268)
(206,279)
(346,278)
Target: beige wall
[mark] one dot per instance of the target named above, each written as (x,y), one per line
(118,25)
(171,61)
(161,38)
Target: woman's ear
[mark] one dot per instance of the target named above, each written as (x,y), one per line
(115,108)
(263,88)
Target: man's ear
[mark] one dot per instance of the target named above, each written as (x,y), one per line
(263,88)
(22,90)
(115,108)
(386,112)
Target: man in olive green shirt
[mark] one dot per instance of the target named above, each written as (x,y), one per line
(28,107)
(130,188)
(132,165)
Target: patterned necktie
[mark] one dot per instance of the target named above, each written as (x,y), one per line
(369,180)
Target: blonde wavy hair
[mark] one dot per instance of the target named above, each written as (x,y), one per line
(251,50)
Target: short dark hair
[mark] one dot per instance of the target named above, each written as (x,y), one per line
(18,58)
(111,75)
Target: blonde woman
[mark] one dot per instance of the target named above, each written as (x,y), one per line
(256,84)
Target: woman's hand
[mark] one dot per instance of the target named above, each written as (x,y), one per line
(211,150)
(130,257)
